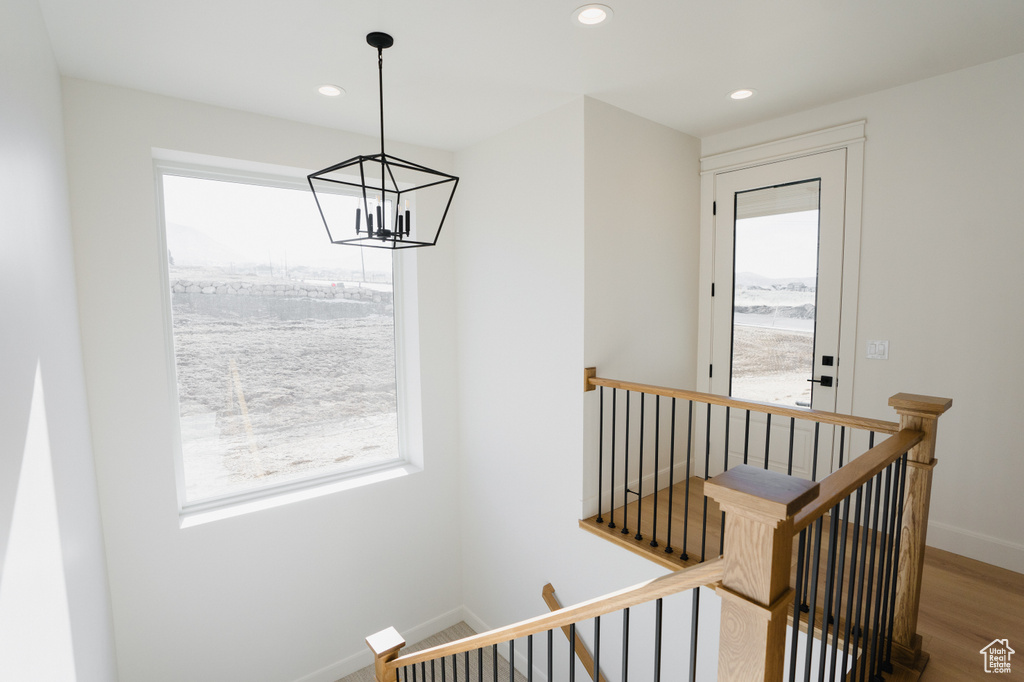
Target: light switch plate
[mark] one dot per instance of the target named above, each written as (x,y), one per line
(878,350)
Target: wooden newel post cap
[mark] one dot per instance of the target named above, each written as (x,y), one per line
(757,492)
(920,405)
(385,642)
(385,645)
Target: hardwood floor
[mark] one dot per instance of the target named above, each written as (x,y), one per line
(965,604)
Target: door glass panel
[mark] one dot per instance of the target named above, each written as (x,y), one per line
(774,293)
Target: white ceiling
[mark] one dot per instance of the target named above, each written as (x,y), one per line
(463,70)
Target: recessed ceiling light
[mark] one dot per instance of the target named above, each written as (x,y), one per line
(331,90)
(591,15)
(742,94)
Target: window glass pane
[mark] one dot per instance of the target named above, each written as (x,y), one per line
(284,345)
(776,251)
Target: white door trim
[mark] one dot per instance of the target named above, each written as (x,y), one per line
(849,136)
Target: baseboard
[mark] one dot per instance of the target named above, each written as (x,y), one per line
(361,659)
(968,543)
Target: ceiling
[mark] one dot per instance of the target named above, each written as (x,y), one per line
(463,70)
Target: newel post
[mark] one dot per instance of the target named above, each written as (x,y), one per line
(385,645)
(920,413)
(755,588)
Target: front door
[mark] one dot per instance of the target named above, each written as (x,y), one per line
(778,260)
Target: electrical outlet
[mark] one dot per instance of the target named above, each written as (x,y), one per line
(878,350)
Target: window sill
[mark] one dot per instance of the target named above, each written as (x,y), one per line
(198,513)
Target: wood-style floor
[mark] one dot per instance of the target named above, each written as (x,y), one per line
(965,604)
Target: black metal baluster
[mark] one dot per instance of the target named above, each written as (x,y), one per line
(432,671)
(512,660)
(694,622)
(657,641)
(625,475)
(684,553)
(815,564)
(896,556)
(792,433)
(852,579)
(657,447)
(468,678)
(423,671)
(830,572)
(611,485)
(529,658)
(572,652)
(405,673)
(671,477)
(871,439)
(838,609)
(597,648)
(551,655)
(480,664)
(800,579)
(494,662)
(746,438)
(875,541)
(413,672)
(625,645)
(640,470)
(842,441)
(890,560)
(814,456)
(767,438)
(600,455)
(707,468)
(858,627)
(881,595)
(725,464)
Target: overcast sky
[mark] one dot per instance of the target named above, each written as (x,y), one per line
(256,224)
(778,246)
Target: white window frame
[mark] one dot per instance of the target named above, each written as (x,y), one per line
(407,358)
(850,136)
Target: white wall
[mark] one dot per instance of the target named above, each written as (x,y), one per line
(285,593)
(47,479)
(520,283)
(538,208)
(642,200)
(941,279)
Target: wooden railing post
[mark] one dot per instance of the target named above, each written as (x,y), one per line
(920,413)
(755,588)
(385,645)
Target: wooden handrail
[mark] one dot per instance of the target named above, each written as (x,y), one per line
(695,576)
(834,418)
(836,486)
(582,652)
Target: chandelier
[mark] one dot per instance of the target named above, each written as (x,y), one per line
(380,200)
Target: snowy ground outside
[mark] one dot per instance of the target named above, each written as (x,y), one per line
(275,389)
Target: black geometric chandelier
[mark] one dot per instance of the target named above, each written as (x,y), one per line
(380,200)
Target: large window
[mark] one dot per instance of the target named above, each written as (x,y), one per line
(284,345)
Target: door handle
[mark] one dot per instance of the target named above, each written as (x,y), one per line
(825,381)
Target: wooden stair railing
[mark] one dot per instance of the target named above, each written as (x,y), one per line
(387,643)
(759,538)
(548,594)
(873,566)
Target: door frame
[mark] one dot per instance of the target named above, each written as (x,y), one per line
(849,136)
